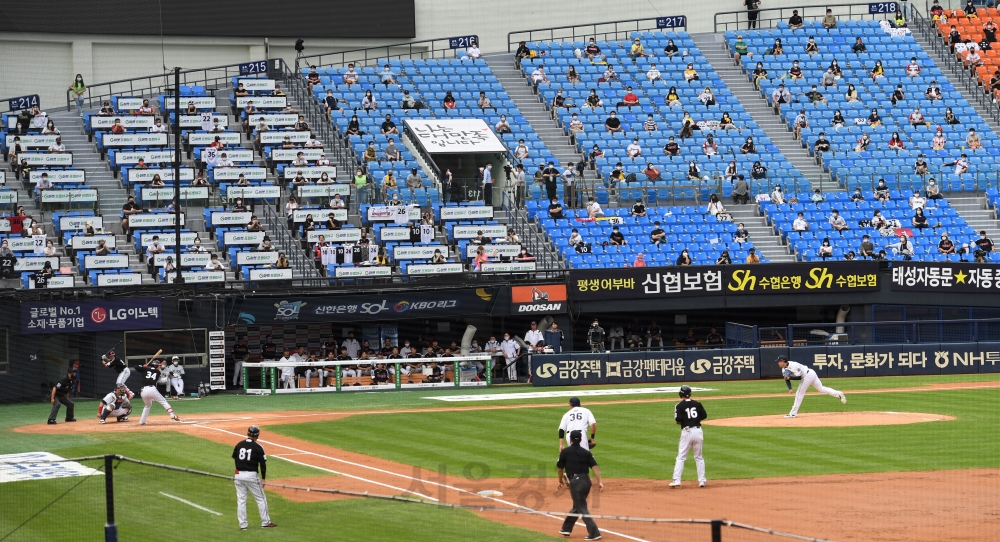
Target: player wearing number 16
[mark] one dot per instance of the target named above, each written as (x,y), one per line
(689,414)
(249,457)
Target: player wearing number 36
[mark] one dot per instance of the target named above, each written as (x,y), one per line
(249,456)
(689,414)
(809,377)
(579,419)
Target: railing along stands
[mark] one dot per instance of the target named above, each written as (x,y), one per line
(769,18)
(602,31)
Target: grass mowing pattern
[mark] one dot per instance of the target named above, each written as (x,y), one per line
(143,514)
(640,440)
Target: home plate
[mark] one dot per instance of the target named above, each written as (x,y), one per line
(554,394)
(490,493)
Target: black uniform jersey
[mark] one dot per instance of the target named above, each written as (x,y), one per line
(64,386)
(240,352)
(249,455)
(269,351)
(331,347)
(117,364)
(150,374)
(689,413)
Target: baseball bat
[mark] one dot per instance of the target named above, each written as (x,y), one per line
(156,355)
(112,348)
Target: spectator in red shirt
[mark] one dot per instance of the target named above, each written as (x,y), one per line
(630,98)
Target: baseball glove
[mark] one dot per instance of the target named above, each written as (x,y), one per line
(125,404)
(592,443)
(786,373)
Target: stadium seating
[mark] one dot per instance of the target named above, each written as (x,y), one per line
(851,168)
(558,57)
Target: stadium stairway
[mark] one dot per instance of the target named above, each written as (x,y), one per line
(977,213)
(532,108)
(945,62)
(768,244)
(713,48)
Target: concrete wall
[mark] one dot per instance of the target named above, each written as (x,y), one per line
(45,63)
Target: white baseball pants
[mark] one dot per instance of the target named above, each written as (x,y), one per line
(287,378)
(150,394)
(692,439)
(810,379)
(247,481)
(123,376)
(318,371)
(511,369)
(178,384)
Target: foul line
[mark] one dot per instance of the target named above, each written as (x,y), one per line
(348,475)
(383,471)
(189,503)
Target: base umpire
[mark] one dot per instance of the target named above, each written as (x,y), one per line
(574,466)
(60,396)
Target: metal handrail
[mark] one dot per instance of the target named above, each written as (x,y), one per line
(928,30)
(545,257)
(615,32)
(768,18)
(369,56)
(276,226)
(909,330)
(147,85)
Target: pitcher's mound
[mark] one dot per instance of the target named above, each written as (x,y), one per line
(831,419)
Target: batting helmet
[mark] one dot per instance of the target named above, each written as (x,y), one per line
(253,431)
(781,358)
(685,391)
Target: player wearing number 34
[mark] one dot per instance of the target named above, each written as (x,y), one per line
(580,419)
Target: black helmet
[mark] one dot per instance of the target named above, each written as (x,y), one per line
(685,391)
(253,431)
(781,358)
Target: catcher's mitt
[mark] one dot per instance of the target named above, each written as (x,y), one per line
(125,404)
(591,443)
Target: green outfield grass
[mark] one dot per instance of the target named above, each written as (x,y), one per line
(636,440)
(640,440)
(142,513)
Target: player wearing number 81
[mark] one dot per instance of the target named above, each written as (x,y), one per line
(579,419)
(249,456)
(689,414)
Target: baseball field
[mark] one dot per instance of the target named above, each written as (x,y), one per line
(907,459)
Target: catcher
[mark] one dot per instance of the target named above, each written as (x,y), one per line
(115,404)
(580,419)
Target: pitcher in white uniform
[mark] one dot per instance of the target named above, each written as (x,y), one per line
(809,378)
(580,419)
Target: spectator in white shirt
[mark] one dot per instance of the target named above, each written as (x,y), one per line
(913,69)
(44,183)
(215,264)
(502,126)
(158,127)
(538,76)
(521,152)
(313,143)
(224,161)
(653,75)
(634,150)
(594,209)
(838,221)
(800,223)
(916,201)
(387,77)
(473,50)
(58,146)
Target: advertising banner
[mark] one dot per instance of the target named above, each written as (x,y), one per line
(370,307)
(710,280)
(753,363)
(547,298)
(91,316)
(968,278)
